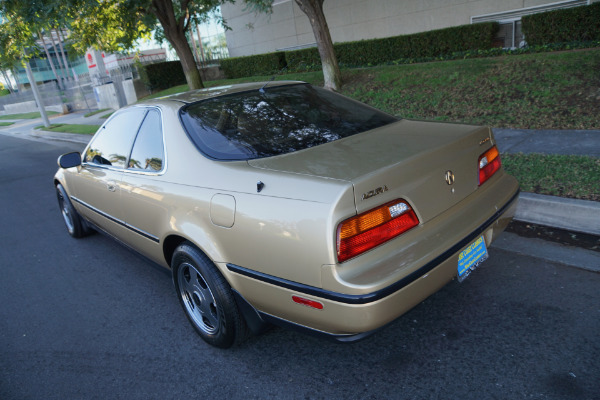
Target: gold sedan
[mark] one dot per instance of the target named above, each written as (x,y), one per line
(288,204)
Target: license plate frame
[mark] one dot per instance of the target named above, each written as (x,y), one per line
(471,257)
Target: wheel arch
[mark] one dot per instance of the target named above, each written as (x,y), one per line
(170,244)
(172,241)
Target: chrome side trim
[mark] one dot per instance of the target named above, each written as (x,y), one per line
(117,221)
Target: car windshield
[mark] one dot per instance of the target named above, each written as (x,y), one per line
(277,121)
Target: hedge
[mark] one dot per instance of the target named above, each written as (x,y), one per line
(162,75)
(260,64)
(380,51)
(425,44)
(369,52)
(568,25)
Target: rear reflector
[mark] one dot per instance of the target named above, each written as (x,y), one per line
(307,302)
(489,163)
(372,228)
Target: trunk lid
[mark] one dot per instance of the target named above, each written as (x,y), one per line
(407,159)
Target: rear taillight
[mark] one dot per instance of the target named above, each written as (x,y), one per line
(372,228)
(489,163)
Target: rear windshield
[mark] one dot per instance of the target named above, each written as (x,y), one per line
(277,121)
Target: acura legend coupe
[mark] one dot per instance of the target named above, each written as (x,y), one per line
(283,203)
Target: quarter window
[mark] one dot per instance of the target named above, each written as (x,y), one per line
(147,153)
(112,144)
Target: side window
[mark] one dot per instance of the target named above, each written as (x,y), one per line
(147,153)
(113,143)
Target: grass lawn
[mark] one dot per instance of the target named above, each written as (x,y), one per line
(576,177)
(6,123)
(71,128)
(107,115)
(29,115)
(96,112)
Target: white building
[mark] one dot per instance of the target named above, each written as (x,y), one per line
(288,27)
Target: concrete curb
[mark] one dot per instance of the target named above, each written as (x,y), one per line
(552,252)
(568,214)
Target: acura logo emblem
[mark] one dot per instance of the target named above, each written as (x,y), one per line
(449,177)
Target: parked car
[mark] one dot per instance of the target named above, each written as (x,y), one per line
(285,203)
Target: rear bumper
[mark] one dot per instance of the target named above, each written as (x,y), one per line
(351,316)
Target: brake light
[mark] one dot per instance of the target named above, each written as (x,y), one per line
(365,231)
(489,163)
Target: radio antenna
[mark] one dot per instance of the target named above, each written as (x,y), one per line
(262,89)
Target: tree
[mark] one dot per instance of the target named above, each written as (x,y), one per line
(115,25)
(314,11)
(176,23)
(16,38)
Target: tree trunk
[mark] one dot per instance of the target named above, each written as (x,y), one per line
(186,57)
(58,80)
(19,83)
(60,64)
(200,43)
(175,34)
(62,49)
(36,94)
(194,45)
(331,71)
(8,82)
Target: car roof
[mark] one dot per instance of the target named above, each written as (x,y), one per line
(207,93)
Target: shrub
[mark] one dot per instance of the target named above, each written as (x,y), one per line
(303,60)
(260,64)
(162,75)
(568,25)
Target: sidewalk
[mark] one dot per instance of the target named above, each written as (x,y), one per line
(566,142)
(26,127)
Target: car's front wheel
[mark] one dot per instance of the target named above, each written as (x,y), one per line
(76,226)
(206,298)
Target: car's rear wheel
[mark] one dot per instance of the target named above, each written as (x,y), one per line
(206,298)
(76,226)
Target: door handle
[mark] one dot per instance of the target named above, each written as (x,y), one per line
(111,186)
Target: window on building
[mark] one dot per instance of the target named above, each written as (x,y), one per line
(510,34)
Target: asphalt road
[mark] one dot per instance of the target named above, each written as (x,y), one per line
(88,319)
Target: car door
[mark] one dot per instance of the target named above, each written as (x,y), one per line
(143,189)
(97,185)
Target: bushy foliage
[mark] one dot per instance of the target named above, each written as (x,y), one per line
(568,25)
(425,44)
(162,75)
(304,60)
(260,64)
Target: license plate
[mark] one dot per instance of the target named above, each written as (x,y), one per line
(471,257)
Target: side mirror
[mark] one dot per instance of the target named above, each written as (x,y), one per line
(69,160)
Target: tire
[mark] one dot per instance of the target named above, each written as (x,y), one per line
(206,298)
(76,226)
